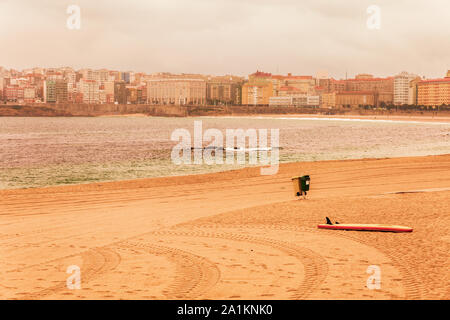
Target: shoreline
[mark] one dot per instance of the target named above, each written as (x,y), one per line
(247,172)
(105,110)
(306,116)
(253,171)
(393,118)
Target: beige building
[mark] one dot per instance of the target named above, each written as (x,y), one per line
(348,99)
(368,82)
(90,91)
(298,97)
(264,89)
(382,87)
(278,82)
(331,85)
(329,100)
(305,84)
(87,74)
(257,92)
(224,90)
(177,91)
(434,92)
(29,93)
(258,76)
(313,101)
(290,91)
(108,87)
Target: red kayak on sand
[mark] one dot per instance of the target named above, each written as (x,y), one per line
(366,227)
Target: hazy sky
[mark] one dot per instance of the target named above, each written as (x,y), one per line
(229,36)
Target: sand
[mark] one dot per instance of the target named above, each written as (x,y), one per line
(233,235)
(397,117)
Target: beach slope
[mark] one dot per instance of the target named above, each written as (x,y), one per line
(234,235)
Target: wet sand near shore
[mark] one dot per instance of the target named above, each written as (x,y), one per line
(233,235)
(380,117)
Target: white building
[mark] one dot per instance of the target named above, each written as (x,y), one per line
(402,94)
(313,101)
(299,100)
(281,101)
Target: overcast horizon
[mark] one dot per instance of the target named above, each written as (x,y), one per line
(237,37)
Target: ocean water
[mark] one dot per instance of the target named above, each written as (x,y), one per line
(39,152)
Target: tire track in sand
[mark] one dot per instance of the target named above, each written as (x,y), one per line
(315,266)
(195,275)
(412,284)
(96,262)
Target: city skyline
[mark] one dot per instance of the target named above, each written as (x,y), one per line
(67,85)
(317,75)
(229,37)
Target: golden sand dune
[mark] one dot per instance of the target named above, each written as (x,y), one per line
(233,235)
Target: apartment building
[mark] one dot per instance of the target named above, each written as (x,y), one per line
(13,93)
(2,86)
(303,83)
(177,91)
(384,87)
(90,91)
(55,91)
(257,92)
(29,94)
(301,100)
(61,91)
(107,92)
(120,92)
(224,90)
(348,99)
(402,89)
(50,91)
(435,92)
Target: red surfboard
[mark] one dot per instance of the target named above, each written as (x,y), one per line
(366,227)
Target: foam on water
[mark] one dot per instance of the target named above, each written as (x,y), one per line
(338,119)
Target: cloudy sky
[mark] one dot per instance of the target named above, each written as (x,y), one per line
(229,36)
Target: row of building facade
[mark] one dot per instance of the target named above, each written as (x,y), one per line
(66,85)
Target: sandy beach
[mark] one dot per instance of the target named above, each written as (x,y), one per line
(233,235)
(396,117)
